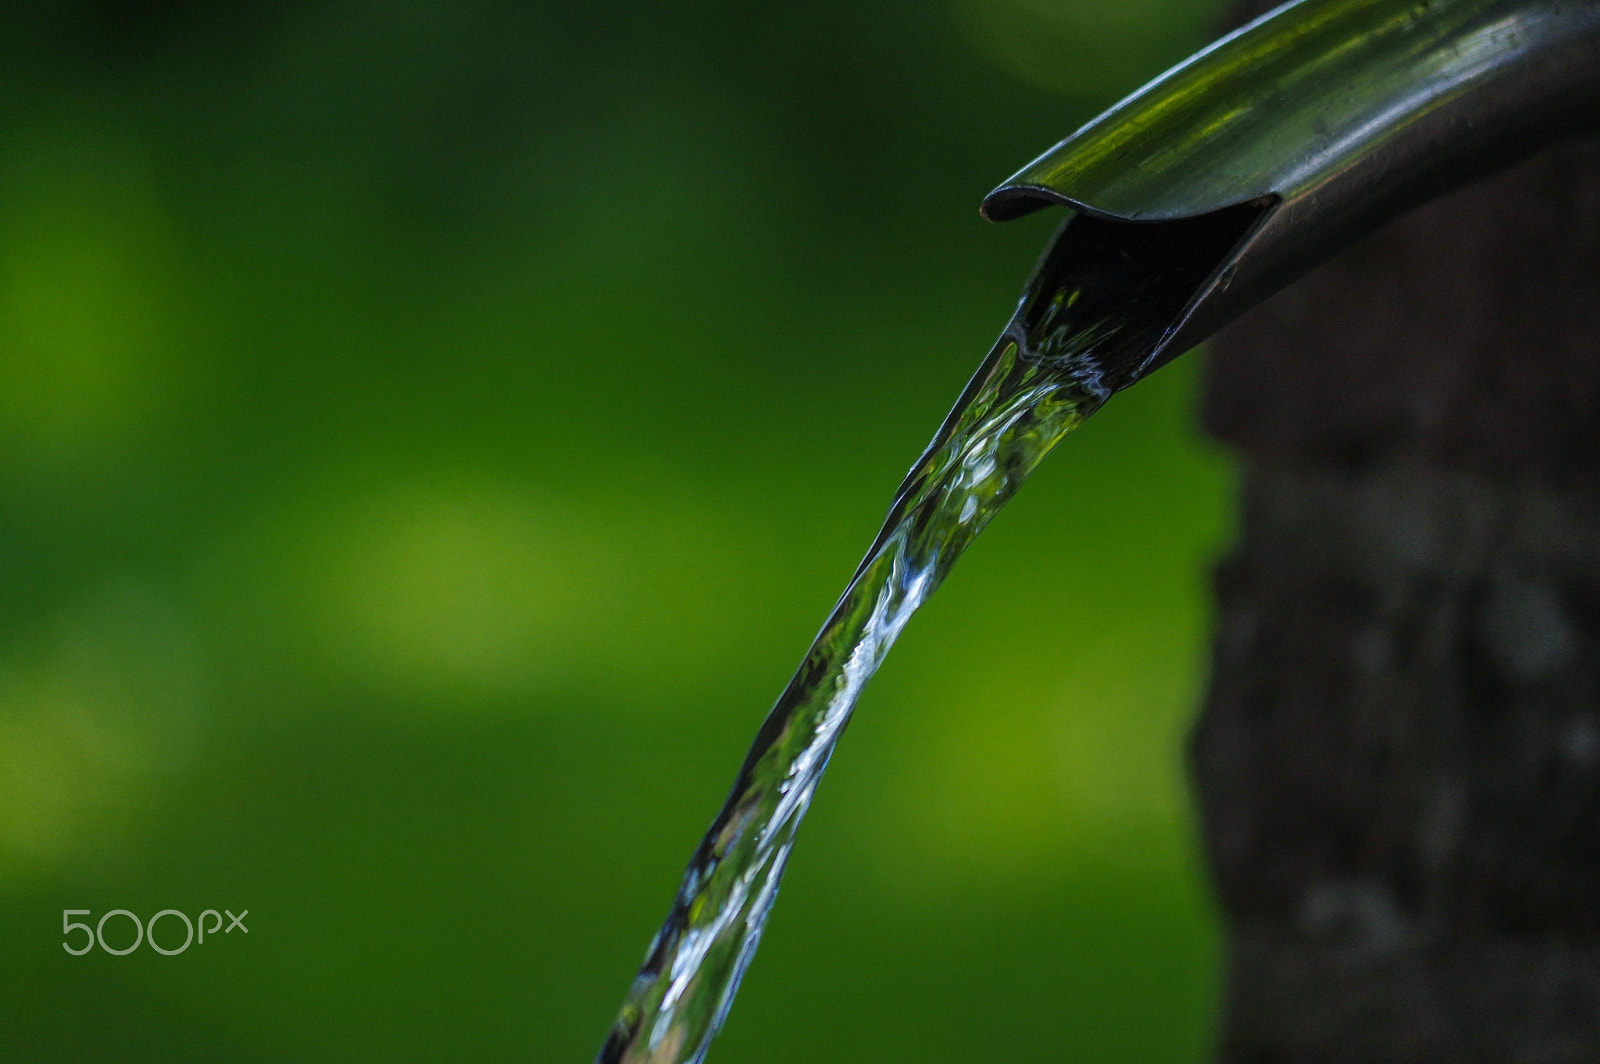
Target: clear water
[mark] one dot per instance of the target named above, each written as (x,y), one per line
(1082,329)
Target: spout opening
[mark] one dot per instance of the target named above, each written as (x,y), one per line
(1153,275)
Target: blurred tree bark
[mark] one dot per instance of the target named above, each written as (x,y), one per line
(1398,762)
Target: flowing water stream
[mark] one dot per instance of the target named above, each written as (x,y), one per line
(1097,305)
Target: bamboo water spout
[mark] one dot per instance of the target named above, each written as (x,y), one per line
(1314,125)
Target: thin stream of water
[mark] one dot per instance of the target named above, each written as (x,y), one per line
(1042,379)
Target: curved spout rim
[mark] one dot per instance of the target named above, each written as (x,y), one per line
(1013,201)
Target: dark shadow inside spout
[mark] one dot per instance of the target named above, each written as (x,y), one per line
(1141,279)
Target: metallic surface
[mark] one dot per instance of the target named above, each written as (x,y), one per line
(1333,116)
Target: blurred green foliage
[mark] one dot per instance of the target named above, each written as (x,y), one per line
(429,435)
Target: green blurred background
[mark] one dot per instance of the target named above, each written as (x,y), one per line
(430,433)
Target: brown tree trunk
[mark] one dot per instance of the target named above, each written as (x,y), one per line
(1398,763)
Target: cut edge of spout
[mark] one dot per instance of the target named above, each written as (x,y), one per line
(1209,308)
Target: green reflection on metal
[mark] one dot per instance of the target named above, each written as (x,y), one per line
(1287,102)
